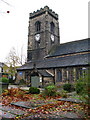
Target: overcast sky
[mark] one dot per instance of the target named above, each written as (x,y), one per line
(73,21)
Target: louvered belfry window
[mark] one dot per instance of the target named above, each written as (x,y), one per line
(37,26)
(52,27)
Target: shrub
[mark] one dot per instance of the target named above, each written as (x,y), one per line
(34,90)
(50,90)
(63,93)
(11,81)
(22,82)
(68,87)
(83,84)
(83,87)
(5,80)
(79,87)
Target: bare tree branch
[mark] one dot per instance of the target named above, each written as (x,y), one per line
(6,2)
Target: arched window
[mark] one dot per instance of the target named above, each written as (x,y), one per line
(52,27)
(37,26)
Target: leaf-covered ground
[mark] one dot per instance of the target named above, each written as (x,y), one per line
(49,107)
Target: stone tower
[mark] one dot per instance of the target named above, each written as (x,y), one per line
(43,33)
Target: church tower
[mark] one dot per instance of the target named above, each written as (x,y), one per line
(43,33)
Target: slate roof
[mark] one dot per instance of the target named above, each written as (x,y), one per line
(70,47)
(67,61)
(75,53)
(44,73)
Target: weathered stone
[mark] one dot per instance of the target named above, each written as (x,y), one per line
(4,114)
(60,116)
(70,100)
(38,49)
(70,115)
(22,104)
(29,104)
(12,110)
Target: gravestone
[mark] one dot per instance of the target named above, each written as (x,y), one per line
(9,113)
(35,81)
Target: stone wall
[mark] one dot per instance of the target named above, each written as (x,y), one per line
(71,74)
(45,43)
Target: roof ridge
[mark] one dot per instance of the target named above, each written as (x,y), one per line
(74,41)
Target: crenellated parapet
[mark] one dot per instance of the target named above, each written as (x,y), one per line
(43,11)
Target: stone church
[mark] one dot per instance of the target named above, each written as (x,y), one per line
(49,61)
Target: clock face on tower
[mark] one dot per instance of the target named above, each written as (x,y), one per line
(52,37)
(37,37)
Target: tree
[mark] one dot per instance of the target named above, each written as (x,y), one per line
(12,60)
(22,57)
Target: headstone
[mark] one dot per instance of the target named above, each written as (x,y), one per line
(9,113)
(12,110)
(4,114)
(70,100)
(30,104)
